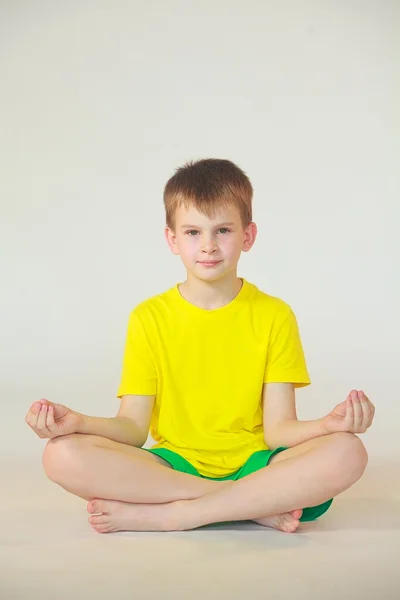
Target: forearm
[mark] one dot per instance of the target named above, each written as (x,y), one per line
(119,429)
(291,433)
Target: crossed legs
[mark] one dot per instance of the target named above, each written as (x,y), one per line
(131,489)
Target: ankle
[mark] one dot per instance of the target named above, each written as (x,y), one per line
(177,519)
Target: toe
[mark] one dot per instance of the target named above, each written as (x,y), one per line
(100,523)
(294,526)
(296,514)
(290,524)
(287,525)
(99,520)
(100,528)
(95,506)
(103,527)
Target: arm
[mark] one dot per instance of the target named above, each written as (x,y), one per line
(281,427)
(130,426)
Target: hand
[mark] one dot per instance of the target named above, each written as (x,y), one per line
(49,420)
(354,415)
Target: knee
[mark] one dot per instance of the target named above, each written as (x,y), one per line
(351,454)
(61,455)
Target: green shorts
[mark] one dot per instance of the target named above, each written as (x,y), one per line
(257,461)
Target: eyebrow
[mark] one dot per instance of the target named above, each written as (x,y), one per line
(217,226)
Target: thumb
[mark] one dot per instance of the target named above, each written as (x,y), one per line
(60,410)
(340,409)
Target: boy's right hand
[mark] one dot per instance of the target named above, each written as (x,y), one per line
(49,420)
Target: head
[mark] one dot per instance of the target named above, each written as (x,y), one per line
(208,206)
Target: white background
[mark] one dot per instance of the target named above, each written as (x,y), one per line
(101,101)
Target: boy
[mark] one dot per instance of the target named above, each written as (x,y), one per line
(211,366)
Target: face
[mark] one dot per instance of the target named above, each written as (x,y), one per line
(210,248)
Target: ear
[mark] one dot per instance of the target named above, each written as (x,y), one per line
(171,240)
(250,235)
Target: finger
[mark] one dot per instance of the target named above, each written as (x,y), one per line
(349,419)
(31,420)
(46,402)
(368,409)
(32,412)
(50,418)
(340,409)
(41,420)
(358,413)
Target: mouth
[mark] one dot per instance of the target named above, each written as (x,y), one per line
(209,263)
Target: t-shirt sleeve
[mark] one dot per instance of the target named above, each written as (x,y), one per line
(285,357)
(139,375)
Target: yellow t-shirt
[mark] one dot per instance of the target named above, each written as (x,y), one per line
(207,369)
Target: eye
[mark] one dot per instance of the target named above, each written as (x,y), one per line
(224,230)
(192,232)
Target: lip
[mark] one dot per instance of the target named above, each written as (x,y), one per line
(209,263)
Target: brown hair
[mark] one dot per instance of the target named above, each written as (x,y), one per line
(207,185)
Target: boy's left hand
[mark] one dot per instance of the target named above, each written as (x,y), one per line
(354,415)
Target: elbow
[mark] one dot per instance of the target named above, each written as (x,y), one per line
(139,440)
(135,434)
(274,438)
(271,442)
(274,446)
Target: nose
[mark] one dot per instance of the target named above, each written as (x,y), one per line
(209,245)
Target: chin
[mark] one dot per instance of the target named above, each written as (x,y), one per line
(211,275)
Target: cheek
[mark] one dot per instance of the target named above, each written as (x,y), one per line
(188,247)
(231,246)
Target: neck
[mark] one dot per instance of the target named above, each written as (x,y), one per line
(211,294)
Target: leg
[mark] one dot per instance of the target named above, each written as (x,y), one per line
(306,475)
(94,467)
(289,522)
(315,472)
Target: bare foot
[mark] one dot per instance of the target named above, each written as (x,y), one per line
(109,516)
(287,522)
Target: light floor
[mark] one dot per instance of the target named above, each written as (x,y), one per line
(48,551)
